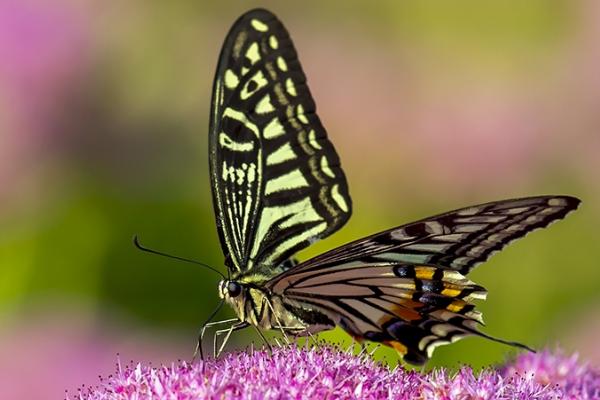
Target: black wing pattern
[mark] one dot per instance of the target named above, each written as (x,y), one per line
(276,178)
(459,239)
(405,287)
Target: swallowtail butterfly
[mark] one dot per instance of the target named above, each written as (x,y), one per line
(278,186)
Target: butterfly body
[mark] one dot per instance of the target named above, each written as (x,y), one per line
(257,306)
(278,186)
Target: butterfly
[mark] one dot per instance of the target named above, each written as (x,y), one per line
(278,186)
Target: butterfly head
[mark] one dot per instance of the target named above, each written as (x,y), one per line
(237,294)
(229,290)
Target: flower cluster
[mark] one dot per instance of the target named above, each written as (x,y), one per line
(327,372)
(575,380)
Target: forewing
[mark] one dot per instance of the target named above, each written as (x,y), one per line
(458,240)
(276,178)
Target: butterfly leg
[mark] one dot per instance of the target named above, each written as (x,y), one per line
(292,330)
(313,338)
(363,349)
(262,336)
(203,331)
(352,345)
(279,324)
(234,327)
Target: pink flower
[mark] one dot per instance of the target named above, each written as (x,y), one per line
(576,380)
(287,373)
(326,372)
(488,385)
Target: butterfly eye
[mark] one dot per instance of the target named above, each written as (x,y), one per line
(234,289)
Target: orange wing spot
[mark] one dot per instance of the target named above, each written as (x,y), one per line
(399,347)
(456,306)
(406,313)
(424,272)
(451,292)
(410,303)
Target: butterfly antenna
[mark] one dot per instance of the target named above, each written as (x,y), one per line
(137,244)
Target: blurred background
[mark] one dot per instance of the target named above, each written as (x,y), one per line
(431,105)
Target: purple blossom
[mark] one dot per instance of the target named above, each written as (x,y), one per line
(488,385)
(575,379)
(328,372)
(287,373)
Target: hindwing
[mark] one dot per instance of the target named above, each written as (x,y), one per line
(276,178)
(405,287)
(412,308)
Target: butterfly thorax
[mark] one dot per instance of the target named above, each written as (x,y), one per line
(257,306)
